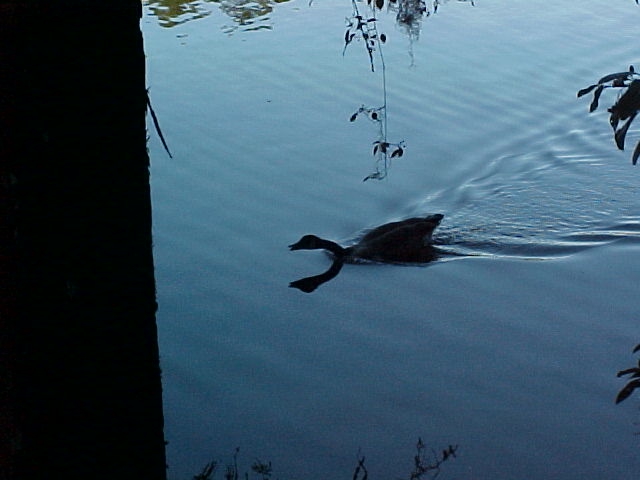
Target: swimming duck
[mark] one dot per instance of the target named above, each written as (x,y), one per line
(405,241)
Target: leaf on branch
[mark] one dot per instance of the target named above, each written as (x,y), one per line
(374,176)
(627,105)
(634,160)
(449,452)
(584,91)
(398,152)
(622,373)
(353,117)
(627,390)
(622,133)
(618,76)
(382,146)
(596,97)
(348,38)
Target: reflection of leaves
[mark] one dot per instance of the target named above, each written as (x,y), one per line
(424,467)
(380,145)
(430,466)
(626,107)
(411,12)
(207,471)
(374,114)
(175,12)
(634,384)
(244,13)
(263,469)
(365,29)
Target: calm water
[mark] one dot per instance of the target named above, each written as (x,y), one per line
(510,352)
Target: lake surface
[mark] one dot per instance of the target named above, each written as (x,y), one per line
(509,350)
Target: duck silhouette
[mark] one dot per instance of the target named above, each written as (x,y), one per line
(405,241)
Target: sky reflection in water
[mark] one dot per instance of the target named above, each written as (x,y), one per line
(513,359)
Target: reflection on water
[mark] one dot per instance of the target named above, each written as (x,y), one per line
(245,13)
(496,141)
(409,15)
(250,15)
(403,242)
(174,12)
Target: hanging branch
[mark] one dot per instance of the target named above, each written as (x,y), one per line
(625,108)
(365,29)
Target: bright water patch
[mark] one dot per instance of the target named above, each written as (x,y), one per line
(539,205)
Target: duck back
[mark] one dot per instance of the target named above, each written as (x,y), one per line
(405,241)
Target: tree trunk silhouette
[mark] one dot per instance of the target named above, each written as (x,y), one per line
(80,391)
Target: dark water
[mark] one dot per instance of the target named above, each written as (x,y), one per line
(510,352)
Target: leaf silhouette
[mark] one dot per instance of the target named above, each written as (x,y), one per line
(627,105)
(584,91)
(596,97)
(634,160)
(379,4)
(376,176)
(627,390)
(622,133)
(622,373)
(616,76)
(637,347)
(613,120)
(353,117)
(398,152)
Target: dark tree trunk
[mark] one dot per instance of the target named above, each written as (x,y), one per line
(80,391)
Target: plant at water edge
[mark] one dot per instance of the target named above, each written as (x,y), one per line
(424,465)
(633,384)
(264,470)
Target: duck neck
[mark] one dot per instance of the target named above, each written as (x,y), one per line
(333,247)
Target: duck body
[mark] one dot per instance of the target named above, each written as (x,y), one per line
(405,241)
